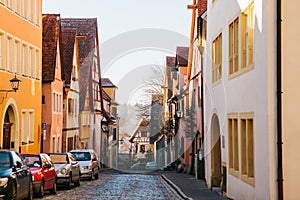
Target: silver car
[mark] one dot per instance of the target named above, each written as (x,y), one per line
(67,169)
(88,161)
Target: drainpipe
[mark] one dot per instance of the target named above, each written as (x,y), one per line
(279,105)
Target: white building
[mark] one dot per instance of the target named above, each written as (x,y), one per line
(242,119)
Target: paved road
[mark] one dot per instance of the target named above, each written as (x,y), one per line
(111,186)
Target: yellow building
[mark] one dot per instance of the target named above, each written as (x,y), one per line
(20,57)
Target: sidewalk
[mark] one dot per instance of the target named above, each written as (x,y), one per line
(189,187)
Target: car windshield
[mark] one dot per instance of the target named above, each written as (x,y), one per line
(5,160)
(82,156)
(32,160)
(59,158)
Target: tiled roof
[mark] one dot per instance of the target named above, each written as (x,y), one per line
(182,54)
(49,46)
(107,83)
(170,61)
(88,29)
(202,6)
(67,40)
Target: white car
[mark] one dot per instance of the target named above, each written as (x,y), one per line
(88,162)
(151,165)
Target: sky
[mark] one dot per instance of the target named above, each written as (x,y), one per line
(134,35)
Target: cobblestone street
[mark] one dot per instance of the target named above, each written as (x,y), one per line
(111,185)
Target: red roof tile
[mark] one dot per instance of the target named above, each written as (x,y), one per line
(202,6)
(49,47)
(67,41)
(182,54)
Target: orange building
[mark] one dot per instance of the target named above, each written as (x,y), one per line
(20,57)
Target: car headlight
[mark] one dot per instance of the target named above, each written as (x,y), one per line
(3,181)
(63,171)
(32,178)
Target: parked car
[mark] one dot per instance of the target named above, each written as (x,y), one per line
(43,173)
(88,162)
(138,166)
(151,166)
(15,176)
(67,169)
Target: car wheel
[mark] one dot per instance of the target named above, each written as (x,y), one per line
(97,175)
(12,192)
(30,192)
(69,184)
(41,191)
(77,184)
(54,188)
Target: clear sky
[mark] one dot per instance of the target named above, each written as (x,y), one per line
(133,34)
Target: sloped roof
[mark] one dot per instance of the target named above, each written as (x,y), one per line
(107,83)
(88,29)
(67,40)
(49,47)
(170,61)
(202,6)
(182,54)
(143,122)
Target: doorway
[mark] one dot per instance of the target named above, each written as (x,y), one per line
(216,173)
(8,141)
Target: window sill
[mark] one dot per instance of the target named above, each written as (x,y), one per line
(234,172)
(248,180)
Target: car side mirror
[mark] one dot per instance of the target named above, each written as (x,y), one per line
(74,162)
(18,164)
(47,166)
(94,159)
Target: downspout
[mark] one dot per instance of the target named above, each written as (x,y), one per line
(279,105)
(190,56)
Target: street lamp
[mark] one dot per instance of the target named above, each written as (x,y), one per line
(15,83)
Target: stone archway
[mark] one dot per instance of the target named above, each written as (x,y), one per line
(9,130)
(216,175)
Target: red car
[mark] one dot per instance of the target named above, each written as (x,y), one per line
(43,173)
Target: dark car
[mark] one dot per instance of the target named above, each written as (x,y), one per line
(15,176)
(67,169)
(88,161)
(43,173)
(138,166)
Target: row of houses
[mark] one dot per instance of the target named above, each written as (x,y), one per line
(62,102)
(230,99)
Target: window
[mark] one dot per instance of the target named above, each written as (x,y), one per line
(247,36)
(2,51)
(247,148)
(233,147)
(24,139)
(17,60)
(31,127)
(9,53)
(217,59)
(31,63)
(37,64)
(233,46)
(53,145)
(70,106)
(24,59)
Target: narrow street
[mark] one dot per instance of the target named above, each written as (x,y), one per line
(113,185)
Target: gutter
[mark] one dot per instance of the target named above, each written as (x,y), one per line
(279,103)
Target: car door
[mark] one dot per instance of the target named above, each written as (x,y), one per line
(50,171)
(23,175)
(74,166)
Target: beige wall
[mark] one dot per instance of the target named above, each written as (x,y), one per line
(291,98)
